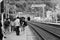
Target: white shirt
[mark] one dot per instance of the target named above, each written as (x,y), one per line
(17,22)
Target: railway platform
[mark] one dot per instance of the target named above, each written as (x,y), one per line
(25,35)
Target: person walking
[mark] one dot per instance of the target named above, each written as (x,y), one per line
(17,25)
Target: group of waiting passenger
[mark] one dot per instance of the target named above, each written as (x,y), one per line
(13,25)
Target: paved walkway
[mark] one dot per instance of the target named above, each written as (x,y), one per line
(26,35)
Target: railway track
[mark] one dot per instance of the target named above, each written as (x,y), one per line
(39,37)
(43,34)
(51,29)
(49,24)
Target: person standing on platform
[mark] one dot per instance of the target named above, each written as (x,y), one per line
(23,23)
(12,25)
(17,25)
(6,25)
(28,18)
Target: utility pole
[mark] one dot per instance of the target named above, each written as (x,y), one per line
(2,10)
(2,13)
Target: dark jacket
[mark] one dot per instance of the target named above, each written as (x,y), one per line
(22,20)
(6,23)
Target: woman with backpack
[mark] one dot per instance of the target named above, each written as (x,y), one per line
(6,25)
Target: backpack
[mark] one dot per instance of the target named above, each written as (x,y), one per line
(25,23)
(6,23)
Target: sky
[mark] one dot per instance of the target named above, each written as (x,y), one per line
(0,0)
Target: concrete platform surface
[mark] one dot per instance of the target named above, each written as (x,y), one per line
(25,35)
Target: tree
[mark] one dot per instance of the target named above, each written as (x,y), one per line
(11,10)
(24,5)
(20,7)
